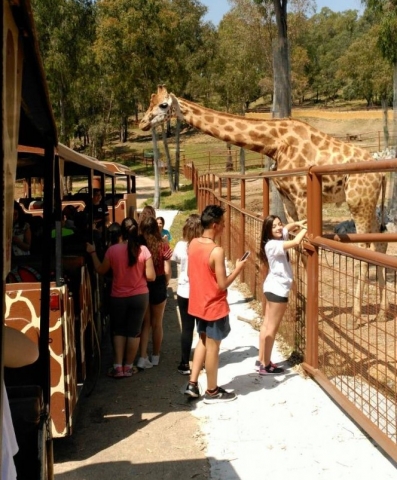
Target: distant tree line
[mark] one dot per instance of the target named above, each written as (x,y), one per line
(104,58)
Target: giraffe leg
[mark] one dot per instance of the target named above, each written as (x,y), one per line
(383,301)
(360,289)
(362,293)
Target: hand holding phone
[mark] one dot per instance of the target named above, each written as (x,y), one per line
(246,255)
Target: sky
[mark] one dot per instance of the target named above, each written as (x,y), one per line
(218,8)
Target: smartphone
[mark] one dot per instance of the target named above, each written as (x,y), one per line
(246,255)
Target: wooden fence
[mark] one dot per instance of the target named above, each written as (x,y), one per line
(350,352)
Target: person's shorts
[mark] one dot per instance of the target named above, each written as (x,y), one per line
(217,330)
(126,314)
(271,297)
(157,290)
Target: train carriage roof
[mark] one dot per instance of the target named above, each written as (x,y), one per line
(30,162)
(77,163)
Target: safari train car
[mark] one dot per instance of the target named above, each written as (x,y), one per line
(27,118)
(73,333)
(50,294)
(77,314)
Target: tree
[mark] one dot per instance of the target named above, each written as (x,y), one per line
(328,36)
(127,49)
(363,70)
(241,56)
(386,14)
(281,60)
(66,31)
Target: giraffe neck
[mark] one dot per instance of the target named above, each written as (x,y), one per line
(291,143)
(252,134)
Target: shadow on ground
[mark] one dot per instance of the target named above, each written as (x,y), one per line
(136,426)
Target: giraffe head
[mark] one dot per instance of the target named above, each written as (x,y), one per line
(162,106)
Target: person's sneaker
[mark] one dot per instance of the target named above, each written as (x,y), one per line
(144,363)
(184,369)
(155,360)
(116,372)
(258,364)
(270,370)
(129,371)
(220,396)
(192,390)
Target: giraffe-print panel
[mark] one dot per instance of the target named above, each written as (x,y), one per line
(86,313)
(23,313)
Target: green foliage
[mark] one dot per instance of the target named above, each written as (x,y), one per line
(238,74)
(385,13)
(370,76)
(66,31)
(329,36)
(103,59)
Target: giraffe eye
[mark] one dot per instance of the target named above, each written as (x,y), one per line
(164,105)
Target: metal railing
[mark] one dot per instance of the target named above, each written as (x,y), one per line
(339,321)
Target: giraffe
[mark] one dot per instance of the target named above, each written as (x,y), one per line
(291,143)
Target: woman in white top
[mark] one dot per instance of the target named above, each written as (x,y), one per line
(191,229)
(273,252)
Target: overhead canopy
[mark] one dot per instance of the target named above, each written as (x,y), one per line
(117,168)
(76,163)
(30,162)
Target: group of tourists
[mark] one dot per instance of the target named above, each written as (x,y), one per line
(140,263)
(139,257)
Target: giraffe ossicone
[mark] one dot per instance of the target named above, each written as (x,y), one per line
(291,143)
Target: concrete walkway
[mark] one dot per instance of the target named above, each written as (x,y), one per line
(280,426)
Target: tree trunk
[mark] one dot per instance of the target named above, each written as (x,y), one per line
(177,154)
(385,123)
(394,129)
(168,157)
(276,204)
(156,156)
(124,129)
(392,203)
(229,158)
(282,103)
(62,125)
(281,62)
(242,161)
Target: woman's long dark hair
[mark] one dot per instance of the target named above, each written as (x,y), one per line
(151,234)
(21,220)
(114,233)
(266,235)
(129,228)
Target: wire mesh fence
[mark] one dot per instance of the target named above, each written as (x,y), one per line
(341,319)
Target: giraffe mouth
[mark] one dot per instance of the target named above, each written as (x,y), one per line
(147,124)
(144,125)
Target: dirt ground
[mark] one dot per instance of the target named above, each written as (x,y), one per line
(139,426)
(136,427)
